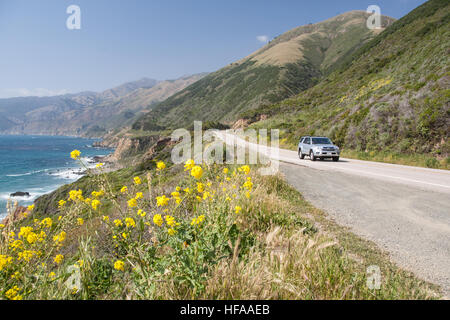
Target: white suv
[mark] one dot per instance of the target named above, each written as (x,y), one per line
(318,148)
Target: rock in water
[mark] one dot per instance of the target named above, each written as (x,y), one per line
(20,194)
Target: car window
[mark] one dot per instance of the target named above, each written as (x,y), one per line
(321,141)
(307,141)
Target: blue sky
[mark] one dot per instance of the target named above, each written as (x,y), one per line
(125,40)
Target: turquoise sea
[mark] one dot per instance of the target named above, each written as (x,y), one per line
(40,164)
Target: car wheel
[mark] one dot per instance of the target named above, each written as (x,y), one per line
(336,159)
(312,156)
(300,154)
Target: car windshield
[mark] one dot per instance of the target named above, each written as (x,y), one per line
(321,141)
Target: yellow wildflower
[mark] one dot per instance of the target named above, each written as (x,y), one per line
(106,218)
(137,180)
(170,221)
(130,222)
(26,255)
(59,238)
(160,165)
(226,170)
(171,231)
(32,238)
(200,187)
(245,169)
(30,208)
(118,223)
(124,189)
(158,220)
(95,204)
(132,203)
(80,221)
(75,195)
(61,203)
(119,265)
(98,194)
(75,154)
(198,220)
(24,232)
(47,223)
(141,213)
(207,196)
(237,209)
(248,185)
(12,293)
(139,195)
(197,172)
(162,201)
(58,259)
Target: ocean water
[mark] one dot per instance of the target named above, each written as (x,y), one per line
(39,165)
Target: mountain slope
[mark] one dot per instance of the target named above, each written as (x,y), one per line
(391,96)
(287,65)
(88,113)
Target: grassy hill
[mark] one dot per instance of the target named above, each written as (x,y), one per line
(389,99)
(222,233)
(286,66)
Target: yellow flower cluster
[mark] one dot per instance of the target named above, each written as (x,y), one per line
(197,172)
(162,201)
(158,220)
(197,221)
(119,265)
(75,195)
(160,165)
(13,293)
(58,259)
(75,154)
(245,169)
(4,261)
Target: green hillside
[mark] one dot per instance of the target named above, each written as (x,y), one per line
(286,66)
(392,97)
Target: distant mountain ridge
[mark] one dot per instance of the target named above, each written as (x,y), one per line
(86,113)
(287,65)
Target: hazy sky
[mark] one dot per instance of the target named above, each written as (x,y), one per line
(125,40)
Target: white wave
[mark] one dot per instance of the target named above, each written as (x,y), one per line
(69,174)
(27,173)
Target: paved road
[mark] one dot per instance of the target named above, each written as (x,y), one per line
(405,210)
